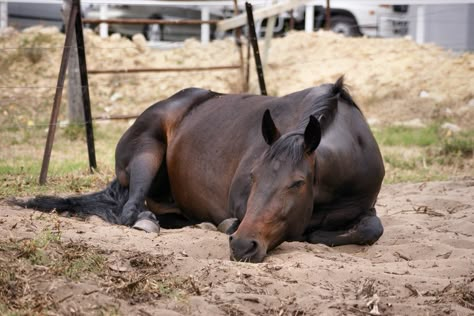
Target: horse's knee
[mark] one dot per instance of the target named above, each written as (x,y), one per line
(370,229)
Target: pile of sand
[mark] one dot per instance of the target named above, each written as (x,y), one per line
(392,79)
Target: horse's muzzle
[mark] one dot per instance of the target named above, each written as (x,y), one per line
(246,249)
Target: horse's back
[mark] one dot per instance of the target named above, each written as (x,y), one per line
(349,170)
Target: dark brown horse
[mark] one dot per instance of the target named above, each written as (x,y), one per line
(309,171)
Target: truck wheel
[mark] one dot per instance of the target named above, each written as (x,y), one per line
(344,25)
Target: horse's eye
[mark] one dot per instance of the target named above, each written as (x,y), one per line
(297,184)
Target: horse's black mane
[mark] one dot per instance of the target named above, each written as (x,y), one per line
(324,109)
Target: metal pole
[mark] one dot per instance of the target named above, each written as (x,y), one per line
(103,27)
(205,28)
(420,24)
(57,97)
(141,70)
(328,15)
(73,80)
(309,19)
(256,53)
(3,14)
(85,88)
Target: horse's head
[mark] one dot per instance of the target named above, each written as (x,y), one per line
(281,196)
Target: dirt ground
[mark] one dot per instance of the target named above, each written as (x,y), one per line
(422,265)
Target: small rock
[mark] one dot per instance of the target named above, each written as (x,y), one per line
(116,96)
(451,127)
(424,94)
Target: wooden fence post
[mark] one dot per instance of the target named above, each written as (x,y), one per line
(74,23)
(328,15)
(81,54)
(57,96)
(256,53)
(74,100)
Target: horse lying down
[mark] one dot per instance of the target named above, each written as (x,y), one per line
(303,167)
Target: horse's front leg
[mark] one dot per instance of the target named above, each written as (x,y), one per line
(366,230)
(141,172)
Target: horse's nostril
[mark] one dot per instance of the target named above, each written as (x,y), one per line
(244,249)
(254,246)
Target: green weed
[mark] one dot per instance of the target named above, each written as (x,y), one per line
(461,144)
(34,250)
(78,260)
(408,136)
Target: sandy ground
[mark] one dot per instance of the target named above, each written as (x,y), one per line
(422,265)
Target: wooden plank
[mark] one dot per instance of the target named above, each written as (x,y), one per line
(259,14)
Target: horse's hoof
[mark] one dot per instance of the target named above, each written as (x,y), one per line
(228,226)
(147,225)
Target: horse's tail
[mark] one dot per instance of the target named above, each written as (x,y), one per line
(106,204)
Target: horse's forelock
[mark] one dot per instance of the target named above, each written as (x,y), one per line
(289,146)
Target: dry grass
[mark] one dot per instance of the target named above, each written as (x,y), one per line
(27,265)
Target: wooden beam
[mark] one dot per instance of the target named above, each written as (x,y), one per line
(259,14)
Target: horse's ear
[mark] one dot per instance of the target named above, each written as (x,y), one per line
(312,135)
(269,130)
